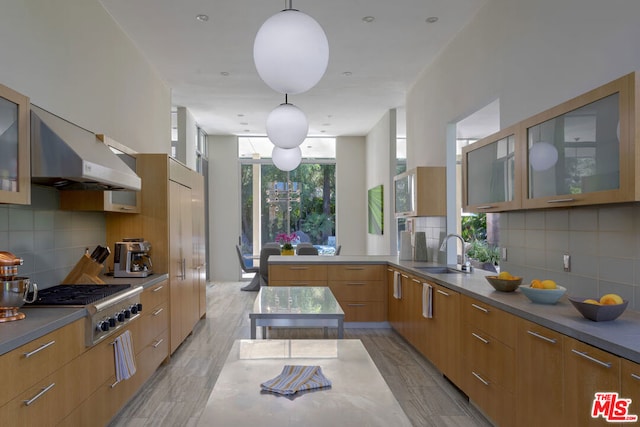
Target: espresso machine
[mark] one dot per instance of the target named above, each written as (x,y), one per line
(131,258)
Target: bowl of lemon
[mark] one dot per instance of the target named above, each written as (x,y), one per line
(504,282)
(607,307)
(543,291)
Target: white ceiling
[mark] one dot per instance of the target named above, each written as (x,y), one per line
(384,57)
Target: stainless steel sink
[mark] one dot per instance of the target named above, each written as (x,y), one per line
(438,270)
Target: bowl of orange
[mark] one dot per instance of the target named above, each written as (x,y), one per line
(608,307)
(504,282)
(543,291)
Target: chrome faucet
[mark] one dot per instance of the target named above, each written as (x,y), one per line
(466,264)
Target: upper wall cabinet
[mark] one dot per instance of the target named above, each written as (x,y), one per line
(489,179)
(15,160)
(123,201)
(420,192)
(582,151)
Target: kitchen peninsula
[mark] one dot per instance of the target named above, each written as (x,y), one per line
(503,351)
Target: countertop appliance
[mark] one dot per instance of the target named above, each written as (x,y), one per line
(131,258)
(14,290)
(109,307)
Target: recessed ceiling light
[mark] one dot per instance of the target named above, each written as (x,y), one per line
(240,115)
(326,124)
(347,73)
(432,19)
(202,18)
(244,123)
(224,73)
(368,19)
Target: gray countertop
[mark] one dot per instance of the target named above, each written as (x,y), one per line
(620,337)
(40,321)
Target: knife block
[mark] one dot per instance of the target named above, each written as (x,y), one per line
(86,271)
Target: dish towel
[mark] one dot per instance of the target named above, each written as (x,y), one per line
(397,285)
(427,301)
(295,378)
(125,359)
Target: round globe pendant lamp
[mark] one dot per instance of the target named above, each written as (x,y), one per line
(291,51)
(286,159)
(287,126)
(542,156)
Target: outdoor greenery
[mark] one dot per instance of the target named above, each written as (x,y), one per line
(474,231)
(312,219)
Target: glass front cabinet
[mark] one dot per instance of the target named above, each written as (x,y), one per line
(489,179)
(15,163)
(582,151)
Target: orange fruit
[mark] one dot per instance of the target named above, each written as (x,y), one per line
(610,299)
(591,301)
(548,284)
(536,283)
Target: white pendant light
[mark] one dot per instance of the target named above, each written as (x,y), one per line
(291,52)
(542,156)
(287,126)
(286,159)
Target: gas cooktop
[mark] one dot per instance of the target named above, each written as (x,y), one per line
(75,295)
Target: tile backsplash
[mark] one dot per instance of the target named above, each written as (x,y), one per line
(435,228)
(50,241)
(602,241)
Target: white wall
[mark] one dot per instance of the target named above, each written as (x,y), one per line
(71,58)
(224,207)
(351,195)
(380,158)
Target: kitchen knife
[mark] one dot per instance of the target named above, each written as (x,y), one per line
(104,254)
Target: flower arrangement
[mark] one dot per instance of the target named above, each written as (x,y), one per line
(286,240)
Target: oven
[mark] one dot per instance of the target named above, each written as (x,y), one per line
(109,307)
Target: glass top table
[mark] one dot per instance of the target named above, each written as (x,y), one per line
(296,307)
(358,396)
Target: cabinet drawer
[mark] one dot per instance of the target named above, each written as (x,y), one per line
(491,320)
(488,357)
(151,325)
(300,282)
(364,311)
(356,272)
(496,402)
(297,272)
(155,295)
(46,404)
(29,363)
(354,290)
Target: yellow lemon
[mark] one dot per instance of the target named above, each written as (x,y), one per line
(548,284)
(610,299)
(591,301)
(505,275)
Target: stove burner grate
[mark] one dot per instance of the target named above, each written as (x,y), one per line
(76,295)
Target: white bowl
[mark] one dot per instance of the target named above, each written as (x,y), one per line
(543,296)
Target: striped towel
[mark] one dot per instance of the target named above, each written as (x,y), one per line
(125,359)
(397,285)
(295,378)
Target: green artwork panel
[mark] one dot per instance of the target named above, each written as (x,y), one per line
(375,210)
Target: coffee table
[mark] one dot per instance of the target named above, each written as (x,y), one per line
(296,307)
(358,395)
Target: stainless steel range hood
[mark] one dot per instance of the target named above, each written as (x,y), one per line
(69,157)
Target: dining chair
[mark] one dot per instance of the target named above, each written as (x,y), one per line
(254,285)
(307,250)
(265,253)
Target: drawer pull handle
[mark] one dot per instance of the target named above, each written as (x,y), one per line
(482,380)
(158,311)
(42,347)
(354,268)
(416,280)
(480,338)
(158,288)
(39,395)
(480,308)
(542,337)
(486,207)
(356,284)
(442,293)
(635,376)
(298,268)
(300,284)
(593,359)
(570,199)
(404,275)
(356,305)
(160,341)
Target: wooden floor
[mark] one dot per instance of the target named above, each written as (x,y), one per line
(178,392)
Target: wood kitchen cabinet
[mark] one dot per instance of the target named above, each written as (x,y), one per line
(171,221)
(298,275)
(443,332)
(587,370)
(539,389)
(421,191)
(630,385)
(488,345)
(15,146)
(490,182)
